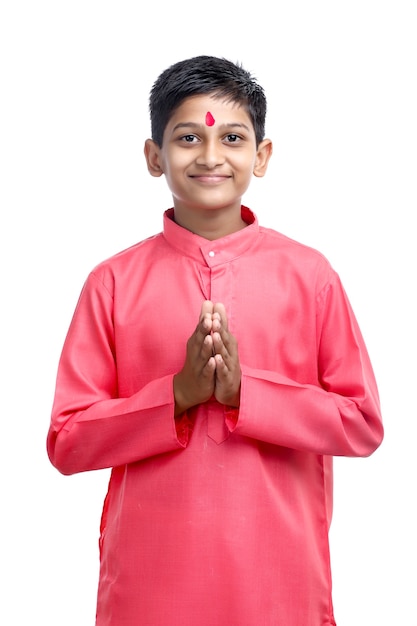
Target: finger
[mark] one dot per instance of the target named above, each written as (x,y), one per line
(218,345)
(219,312)
(221,367)
(225,343)
(206,309)
(216,322)
(207,349)
(210,366)
(204,325)
(227,387)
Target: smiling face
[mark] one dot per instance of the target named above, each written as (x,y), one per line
(208,155)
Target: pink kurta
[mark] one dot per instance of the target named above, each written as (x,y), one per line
(221,518)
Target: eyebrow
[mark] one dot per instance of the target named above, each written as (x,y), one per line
(192,125)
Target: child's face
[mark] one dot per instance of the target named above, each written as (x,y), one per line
(209,154)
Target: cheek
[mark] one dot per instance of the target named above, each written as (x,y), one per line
(244,163)
(175,172)
(177,160)
(171,164)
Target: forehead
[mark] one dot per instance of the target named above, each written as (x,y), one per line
(195,108)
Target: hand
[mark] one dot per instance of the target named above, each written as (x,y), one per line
(195,383)
(228,373)
(212,363)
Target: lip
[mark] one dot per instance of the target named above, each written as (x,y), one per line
(210,179)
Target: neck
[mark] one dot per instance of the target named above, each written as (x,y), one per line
(210,224)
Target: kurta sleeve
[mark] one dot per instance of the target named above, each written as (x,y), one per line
(91,427)
(340,415)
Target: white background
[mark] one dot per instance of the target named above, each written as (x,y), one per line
(75,76)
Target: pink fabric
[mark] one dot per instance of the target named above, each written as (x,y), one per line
(220,518)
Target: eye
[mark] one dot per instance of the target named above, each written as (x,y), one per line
(232,138)
(189,138)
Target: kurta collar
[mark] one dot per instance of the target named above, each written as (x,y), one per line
(215,252)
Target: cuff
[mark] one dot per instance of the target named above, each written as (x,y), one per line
(231,416)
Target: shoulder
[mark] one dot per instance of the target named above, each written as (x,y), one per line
(294,251)
(127,263)
(296,263)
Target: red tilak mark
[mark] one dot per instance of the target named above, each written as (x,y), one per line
(209,119)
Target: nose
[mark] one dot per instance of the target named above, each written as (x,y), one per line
(210,154)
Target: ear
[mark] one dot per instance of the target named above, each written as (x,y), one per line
(153,158)
(263,155)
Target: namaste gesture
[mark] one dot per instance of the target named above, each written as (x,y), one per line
(212,362)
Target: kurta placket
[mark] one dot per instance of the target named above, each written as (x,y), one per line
(220,289)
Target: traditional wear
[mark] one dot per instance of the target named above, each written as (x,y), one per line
(221,517)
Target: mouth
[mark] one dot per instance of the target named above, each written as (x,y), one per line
(210,179)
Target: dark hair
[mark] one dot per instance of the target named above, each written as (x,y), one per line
(203,75)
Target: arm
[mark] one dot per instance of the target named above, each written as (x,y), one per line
(91,427)
(338,416)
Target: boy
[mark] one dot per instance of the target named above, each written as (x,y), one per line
(216,368)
